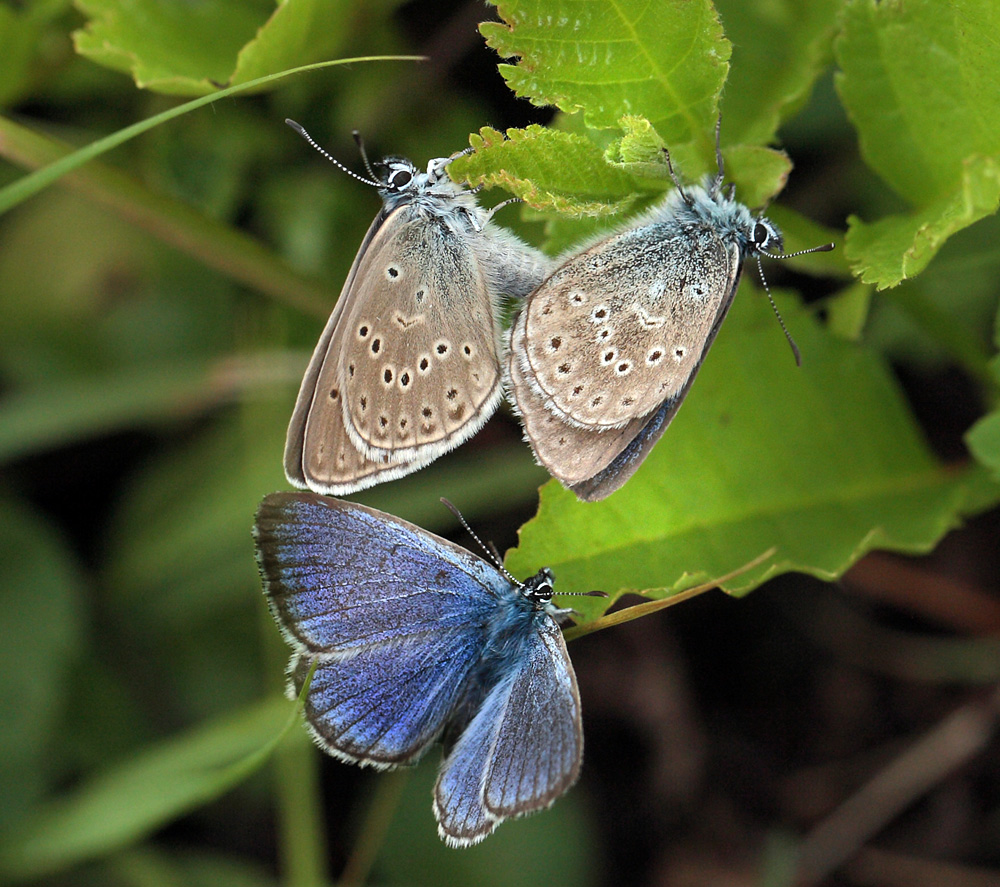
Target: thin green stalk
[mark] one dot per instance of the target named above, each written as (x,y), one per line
(378,818)
(301,825)
(629,613)
(31,184)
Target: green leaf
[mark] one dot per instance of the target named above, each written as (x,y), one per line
(918,80)
(155,787)
(895,248)
(824,462)
(847,311)
(41,595)
(640,149)
(191,48)
(983,439)
(665,61)
(551,170)
(175,48)
(758,173)
(560,170)
(298,31)
(948,313)
(779,50)
(547,169)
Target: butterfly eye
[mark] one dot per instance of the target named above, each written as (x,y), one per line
(539,586)
(399,179)
(765,237)
(761,235)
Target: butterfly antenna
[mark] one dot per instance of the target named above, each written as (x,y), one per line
(495,555)
(465,152)
(675,178)
(777,313)
(489,549)
(721,174)
(302,132)
(500,205)
(360,142)
(823,248)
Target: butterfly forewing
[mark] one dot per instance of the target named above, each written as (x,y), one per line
(603,337)
(417,350)
(395,617)
(340,577)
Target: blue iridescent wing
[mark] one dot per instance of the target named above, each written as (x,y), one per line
(387,704)
(395,616)
(523,748)
(341,577)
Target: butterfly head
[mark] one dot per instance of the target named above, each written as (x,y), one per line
(403,183)
(538,588)
(765,237)
(399,175)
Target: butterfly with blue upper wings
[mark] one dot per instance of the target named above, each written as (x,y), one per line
(416,639)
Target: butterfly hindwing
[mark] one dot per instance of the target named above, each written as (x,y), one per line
(386,704)
(521,750)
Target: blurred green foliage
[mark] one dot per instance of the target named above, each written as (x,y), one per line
(158,306)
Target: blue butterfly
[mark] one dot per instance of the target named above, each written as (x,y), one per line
(417,639)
